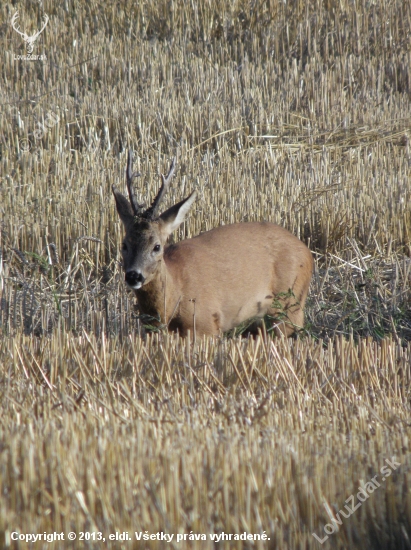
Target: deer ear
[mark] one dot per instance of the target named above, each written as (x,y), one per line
(123,207)
(175,215)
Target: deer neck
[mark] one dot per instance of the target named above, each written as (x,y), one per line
(159,298)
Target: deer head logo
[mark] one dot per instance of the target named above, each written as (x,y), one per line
(29,40)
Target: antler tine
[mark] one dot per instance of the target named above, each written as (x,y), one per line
(137,208)
(13,21)
(151,212)
(45,21)
(166,181)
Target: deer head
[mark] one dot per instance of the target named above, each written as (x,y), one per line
(146,231)
(29,40)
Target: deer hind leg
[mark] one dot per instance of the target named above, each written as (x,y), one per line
(286,316)
(286,324)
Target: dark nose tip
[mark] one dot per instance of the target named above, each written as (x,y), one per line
(134,277)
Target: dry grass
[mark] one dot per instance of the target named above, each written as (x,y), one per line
(220,436)
(317,140)
(298,113)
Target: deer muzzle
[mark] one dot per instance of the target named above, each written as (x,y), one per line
(134,279)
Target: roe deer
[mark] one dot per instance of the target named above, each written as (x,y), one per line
(213,282)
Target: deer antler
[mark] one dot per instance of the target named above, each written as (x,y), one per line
(46,20)
(151,212)
(29,39)
(137,208)
(13,20)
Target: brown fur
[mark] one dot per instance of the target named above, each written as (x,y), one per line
(219,279)
(232,273)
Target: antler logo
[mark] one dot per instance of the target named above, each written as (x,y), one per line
(29,40)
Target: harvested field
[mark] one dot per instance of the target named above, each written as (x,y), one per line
(298,113)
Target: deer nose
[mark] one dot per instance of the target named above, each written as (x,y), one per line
(134,278)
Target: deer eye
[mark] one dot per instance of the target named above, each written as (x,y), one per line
(156,248)
(124,247)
